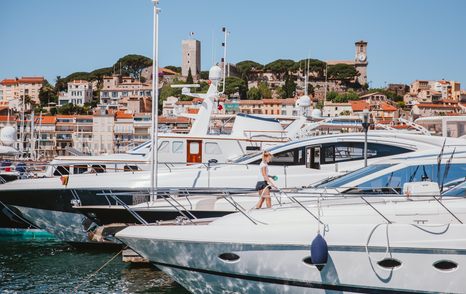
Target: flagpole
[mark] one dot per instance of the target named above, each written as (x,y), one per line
(155,104)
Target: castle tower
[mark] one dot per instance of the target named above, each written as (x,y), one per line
(360,61)
(191,57)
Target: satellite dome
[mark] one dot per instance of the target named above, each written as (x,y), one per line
(316,113)
(8,135)
(304,101)
(215,73)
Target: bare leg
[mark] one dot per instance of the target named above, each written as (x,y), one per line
(268,201)
(261,200)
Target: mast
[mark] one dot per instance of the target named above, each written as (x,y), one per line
(224,44)
(155,104)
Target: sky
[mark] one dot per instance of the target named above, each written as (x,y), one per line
(407,39)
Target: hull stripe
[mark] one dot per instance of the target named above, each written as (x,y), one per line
(295,283)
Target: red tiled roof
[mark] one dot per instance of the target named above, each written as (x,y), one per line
(433,105)
(359,105)
(8,82)
(5,118)
(123,115)
(178,119)
(387,107)
(47,120)
(184,102)
(250,102)
(28,80)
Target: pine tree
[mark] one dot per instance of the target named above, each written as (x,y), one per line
(189,79)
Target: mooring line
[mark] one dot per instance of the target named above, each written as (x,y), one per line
(98,270)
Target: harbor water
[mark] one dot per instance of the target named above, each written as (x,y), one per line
(44,265)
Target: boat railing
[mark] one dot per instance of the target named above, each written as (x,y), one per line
(307,200)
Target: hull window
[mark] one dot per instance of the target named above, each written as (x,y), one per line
(445,265)
(389,263)
(177,147)
(212,148)
(229,257)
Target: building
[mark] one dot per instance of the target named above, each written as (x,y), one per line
(79,92)
(359,62)
(191,57)
(398,89)
(428,91)
(117,92)
(332,109)
(442,107)
(45,137)
(123,131)
(13,90)
(102,136)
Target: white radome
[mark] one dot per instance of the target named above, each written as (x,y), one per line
(215,73)
(303,101)
(8,135)
(316,113)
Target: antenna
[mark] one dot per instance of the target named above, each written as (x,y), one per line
(224,59)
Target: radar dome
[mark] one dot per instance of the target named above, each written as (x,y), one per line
(316,113)
(215,73)
(8,135)
(304,101)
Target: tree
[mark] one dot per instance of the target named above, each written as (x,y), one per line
(246,67)
(189,78)
(254,94)
(331,96)
(72,109)
(235,85)
(204,75)
(132,65)
(264,90)
(316,66)
(176,69)
(341,71)
(280,66)
(342,98)
(47,94)
(289,88)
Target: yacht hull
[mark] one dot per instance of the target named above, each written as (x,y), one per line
(265,266)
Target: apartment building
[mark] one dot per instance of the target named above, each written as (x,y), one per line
(79,92)
(12,91)
(117,91)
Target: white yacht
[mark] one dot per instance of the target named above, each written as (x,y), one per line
(340,241)
(67,210)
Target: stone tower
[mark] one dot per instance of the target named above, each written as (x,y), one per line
(191,57)
(360,61)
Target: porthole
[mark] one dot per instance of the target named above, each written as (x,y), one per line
(445,265)
(229,257)
(308,261)
(389,263)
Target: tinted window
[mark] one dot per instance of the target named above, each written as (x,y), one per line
(62,170)
(289,157)
(343,180)
(345,151)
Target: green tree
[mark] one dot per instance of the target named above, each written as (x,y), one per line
(316,66)
(204,75)
(331,96)
(47,94)
(132,65)
(264,90)
(280,66)
(176,69)
(341,71)
(254,93)
(235,85)
(71,109)
(289,88)
(189,78)
(246,67)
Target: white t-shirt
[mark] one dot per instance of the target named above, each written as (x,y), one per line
(260,177)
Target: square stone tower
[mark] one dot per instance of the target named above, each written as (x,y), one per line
(360,61)
(191,57)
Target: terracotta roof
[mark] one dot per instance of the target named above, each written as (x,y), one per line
(79,82)
(193,110)
(387,107)
(433,105)
(123,115)
(359,105)
(178,119)
(5,118)
(448,101)
(27,80)
(8,82)
(167,71)
(184,103)
(47,120)
(250,102)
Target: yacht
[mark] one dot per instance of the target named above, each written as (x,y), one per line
(70,211)
(362,237)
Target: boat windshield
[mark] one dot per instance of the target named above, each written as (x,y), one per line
(357,174)
(442,174)
(458,190)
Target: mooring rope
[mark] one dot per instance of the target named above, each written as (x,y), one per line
(98,270)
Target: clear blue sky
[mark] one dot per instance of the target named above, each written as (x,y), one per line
(408,40)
